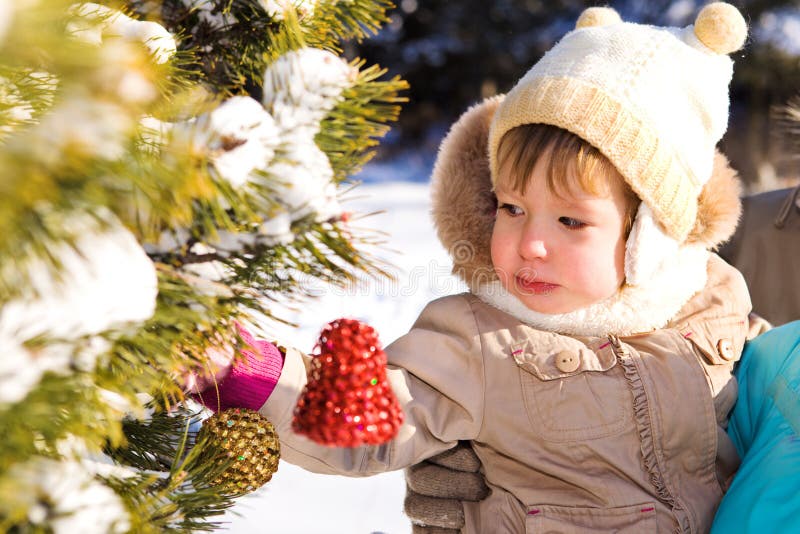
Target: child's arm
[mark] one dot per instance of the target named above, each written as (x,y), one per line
(436,372)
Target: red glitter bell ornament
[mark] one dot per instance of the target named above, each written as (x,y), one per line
(348,401)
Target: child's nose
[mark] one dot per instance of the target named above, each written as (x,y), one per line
(532,245)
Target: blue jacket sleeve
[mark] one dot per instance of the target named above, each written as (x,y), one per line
(765,428)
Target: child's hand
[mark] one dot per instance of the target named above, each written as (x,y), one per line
(231,382)
(437,488)
(220,361)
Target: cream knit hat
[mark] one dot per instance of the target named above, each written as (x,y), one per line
(653,100)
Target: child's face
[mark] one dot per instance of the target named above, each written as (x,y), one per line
(559,254)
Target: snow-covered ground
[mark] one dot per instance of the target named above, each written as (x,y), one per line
(297,502)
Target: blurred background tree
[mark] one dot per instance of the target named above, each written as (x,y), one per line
(456,53)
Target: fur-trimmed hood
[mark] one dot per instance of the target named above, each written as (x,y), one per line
(463,207)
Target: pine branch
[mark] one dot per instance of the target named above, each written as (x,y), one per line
(152,445)
(183,496)
(58,406)
(788,119)
(361,117)
(229,40)
(94,163)
(185,324)
(338,21)
(321,252)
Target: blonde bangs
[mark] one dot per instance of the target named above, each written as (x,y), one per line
(572,166)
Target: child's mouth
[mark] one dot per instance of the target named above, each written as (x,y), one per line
(535,287)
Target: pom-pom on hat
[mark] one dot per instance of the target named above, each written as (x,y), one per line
(653,100)
(597,16)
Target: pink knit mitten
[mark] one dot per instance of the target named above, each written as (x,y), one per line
(251,379)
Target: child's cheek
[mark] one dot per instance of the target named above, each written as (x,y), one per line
(500,250)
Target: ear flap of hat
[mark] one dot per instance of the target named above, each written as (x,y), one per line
(718,212)
(647,248)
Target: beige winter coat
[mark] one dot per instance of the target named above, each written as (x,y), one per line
(574,433)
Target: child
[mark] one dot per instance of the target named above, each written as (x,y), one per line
(590,364)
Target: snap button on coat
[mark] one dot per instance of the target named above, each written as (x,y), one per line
(725,349)
(567,362)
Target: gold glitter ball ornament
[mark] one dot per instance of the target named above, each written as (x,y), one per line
(249,441)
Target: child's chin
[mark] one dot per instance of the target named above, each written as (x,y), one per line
(547,304)
(549,311)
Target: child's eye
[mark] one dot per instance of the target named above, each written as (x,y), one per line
(511,209)
(570,223)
